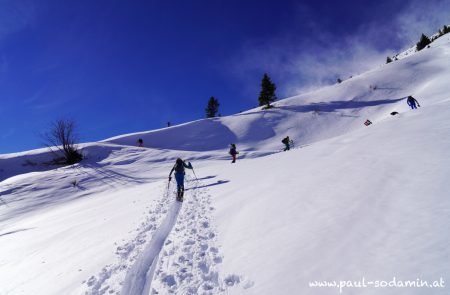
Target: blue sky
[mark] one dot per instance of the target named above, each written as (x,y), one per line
(117,67)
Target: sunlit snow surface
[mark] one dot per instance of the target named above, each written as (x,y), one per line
(347,202)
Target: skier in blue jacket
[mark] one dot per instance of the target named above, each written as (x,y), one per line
(179,167)
(411,101)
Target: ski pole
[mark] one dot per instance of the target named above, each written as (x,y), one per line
(194,174)
(168,188)
(192,168)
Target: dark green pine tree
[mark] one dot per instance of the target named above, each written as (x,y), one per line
(424,41)
(267,94)
(445,30)
(212,108)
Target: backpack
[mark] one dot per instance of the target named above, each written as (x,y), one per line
(285,140)
(233,150)
(179,167)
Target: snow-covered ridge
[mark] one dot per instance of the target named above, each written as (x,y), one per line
(315,116)
(412,50)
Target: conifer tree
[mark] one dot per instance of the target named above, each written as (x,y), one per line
(442,32)
(445,30)
(212,108)
(424,41)
(388,60)
(267,94)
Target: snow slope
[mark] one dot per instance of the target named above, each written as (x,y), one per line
(348,202)
(315,116)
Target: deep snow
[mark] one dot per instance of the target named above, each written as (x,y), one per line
(348,202)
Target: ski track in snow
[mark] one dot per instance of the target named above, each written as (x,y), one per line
(181,256)
(189,260)
(139,277)
(110,279)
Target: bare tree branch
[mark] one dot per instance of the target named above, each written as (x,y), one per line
(62,138)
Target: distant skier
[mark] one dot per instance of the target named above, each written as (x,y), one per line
(233,152)
(411,101)
(140,142)
(179,176)
(287,143)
